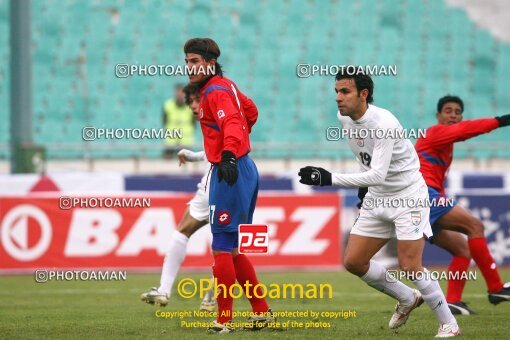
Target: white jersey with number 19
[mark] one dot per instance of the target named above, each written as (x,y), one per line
(389,162)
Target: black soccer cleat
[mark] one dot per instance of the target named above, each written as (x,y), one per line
(460,308)
(221,328)
(501,296)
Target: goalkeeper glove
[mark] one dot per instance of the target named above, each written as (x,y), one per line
(227,169)
(503,120)
(314,176)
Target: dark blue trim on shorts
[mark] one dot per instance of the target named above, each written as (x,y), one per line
(436,211)
(225,241)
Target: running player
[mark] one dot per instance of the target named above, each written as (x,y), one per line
(226,117)
(435,151)
(195,217)
(390,170)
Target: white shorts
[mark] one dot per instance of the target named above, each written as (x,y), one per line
(199,204)
(404,222)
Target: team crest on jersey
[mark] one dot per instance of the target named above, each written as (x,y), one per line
(416,217)
(223,217)
(221,114)
(360,142)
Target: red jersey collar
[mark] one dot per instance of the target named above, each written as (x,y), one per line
(208,83)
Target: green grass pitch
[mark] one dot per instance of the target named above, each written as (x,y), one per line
(113,310)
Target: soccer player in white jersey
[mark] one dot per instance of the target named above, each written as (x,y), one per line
(195,217)
(390,169)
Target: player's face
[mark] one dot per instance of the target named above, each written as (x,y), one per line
(350,103)
(451,113)
(194,104)
(198,67)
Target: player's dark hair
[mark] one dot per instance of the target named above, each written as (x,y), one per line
(207,48)
(362,81)
(449,99)
(190,90)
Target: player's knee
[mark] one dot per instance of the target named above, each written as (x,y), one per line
(188,228)
(478,226)
(354,266)
(411,268)
(474,227)
(409,264)
(462,250)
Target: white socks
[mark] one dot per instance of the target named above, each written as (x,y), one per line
(376,277)
(429,289)
(433,295)
(173,260)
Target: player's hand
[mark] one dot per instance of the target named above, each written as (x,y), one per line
(227,169)
(182,156)
(314,176)
(186,155)
(503,120)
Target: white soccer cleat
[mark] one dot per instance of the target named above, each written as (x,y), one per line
(208,305)
(154,297)
(402,312)
(448,330)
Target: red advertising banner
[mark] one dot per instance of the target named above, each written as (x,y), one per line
(43,232)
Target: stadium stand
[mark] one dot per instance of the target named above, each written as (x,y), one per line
(76,45)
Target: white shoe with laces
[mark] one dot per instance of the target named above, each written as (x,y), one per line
(402,311)
(448,330)
(153,296)
(208,305)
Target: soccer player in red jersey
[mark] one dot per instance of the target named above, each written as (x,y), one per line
(226,118)
(435,151)
(195,217)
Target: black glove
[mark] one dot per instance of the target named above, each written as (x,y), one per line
(503,120)
(314,176)
(227,169)
(361,195)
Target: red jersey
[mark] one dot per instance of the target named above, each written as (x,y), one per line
(226,118)
(435,150)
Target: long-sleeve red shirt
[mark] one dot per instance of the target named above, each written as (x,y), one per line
(226,118)
(435,150)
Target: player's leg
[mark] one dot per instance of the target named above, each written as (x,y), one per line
(410,260)
(209,301)
(456,244)
(223,200)
(174,257)
(357,260)
(459,219)
(224,274)
(176,253)
(411,225)
(247,278)
(245,272)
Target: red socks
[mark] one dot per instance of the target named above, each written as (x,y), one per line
(485,262)
(225,273)
(458,266)
(246,273)
(225,270)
